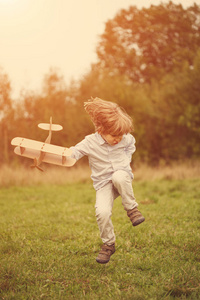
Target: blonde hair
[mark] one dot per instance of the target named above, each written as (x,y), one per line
(108,117)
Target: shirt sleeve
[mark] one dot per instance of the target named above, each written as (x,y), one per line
(130,147)
(80,149)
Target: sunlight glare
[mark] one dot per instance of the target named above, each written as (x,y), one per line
(7,1)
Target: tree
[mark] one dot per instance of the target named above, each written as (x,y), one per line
(148,43)
(6,115)
(57,100)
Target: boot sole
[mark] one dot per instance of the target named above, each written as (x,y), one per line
(139,221)
(102,261)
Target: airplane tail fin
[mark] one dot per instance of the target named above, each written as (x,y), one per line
(50,126)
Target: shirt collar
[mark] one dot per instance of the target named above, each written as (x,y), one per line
(100,139)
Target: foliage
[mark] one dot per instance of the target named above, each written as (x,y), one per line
(171,118)
(6,116)
(148,43)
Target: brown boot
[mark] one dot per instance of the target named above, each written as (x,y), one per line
(135,216)
(105,253)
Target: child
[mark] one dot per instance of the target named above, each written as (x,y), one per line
(109,151)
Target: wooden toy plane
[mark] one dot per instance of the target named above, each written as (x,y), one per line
(44,152)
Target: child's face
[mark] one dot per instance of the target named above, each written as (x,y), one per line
(112,139)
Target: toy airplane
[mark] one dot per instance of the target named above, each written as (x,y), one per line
(44,152)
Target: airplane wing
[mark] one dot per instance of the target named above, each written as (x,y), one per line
(24,143)
(50,158)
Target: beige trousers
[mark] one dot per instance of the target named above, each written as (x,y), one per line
(121,185)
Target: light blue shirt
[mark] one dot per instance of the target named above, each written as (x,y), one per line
(105,159)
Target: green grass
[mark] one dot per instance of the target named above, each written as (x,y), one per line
(49,240)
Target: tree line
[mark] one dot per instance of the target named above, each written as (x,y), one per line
(148,62)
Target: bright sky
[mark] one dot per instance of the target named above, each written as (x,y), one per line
(36,35)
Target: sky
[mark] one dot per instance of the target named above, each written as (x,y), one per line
(37,35)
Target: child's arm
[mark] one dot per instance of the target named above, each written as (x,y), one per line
(79,150)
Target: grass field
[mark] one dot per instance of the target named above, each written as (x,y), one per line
(49,240)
